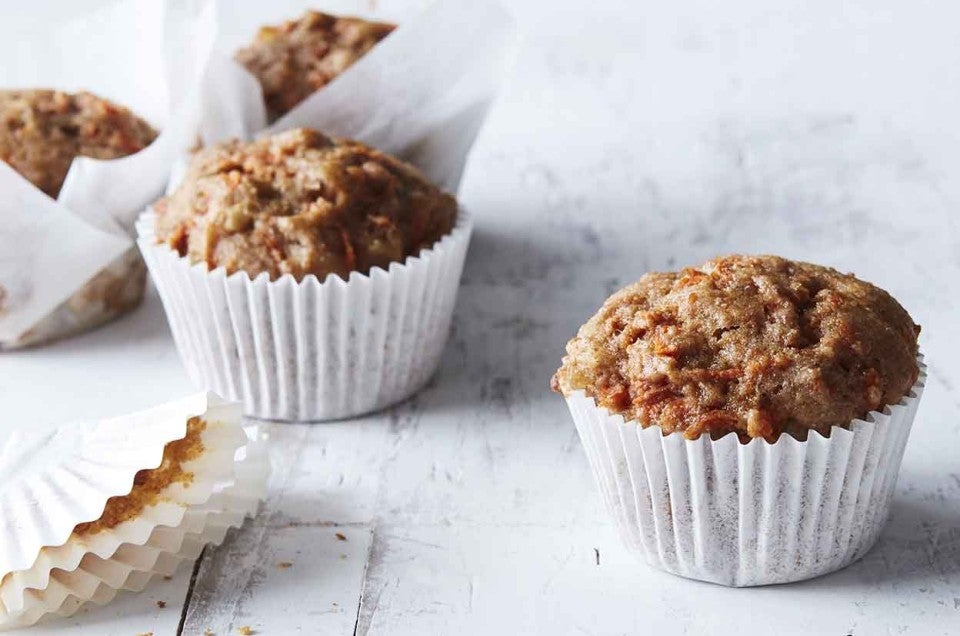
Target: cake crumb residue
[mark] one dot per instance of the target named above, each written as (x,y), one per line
(149,483)
(341,536)
(246,630)
(284,565)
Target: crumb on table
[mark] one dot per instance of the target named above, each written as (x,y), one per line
(341,536)
(284,565)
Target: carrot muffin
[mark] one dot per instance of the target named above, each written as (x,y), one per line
(301,203)
(294,59)
(42,131)
(756,345)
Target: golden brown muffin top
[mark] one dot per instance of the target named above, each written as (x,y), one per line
(149,483)
(42,131)
(757,345)
(302,203)
(294,59)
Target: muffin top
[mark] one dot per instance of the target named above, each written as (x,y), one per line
(294,59)
(42,131)
(757,345)
(301,203)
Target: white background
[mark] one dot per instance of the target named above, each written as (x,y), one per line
(631,137)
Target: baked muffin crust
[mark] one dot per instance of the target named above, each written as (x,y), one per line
(302,203)
(42,131)
(294,59)
(756,345)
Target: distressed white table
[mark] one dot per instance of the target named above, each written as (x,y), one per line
(633,136)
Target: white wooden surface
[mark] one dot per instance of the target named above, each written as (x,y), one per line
(632,136)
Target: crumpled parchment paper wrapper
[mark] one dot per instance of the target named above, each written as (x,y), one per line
(421,94)
(320,350)
(52,481)
(747,514)
(71,264)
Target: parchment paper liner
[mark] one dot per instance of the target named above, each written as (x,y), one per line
(421,94)
(94,569)
(310,350)
(70,264)
(115,290)
(747,514)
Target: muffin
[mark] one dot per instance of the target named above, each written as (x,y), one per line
(298,57)
(756,345)
(308,277)
(816,374)
(41,133)
(301,203)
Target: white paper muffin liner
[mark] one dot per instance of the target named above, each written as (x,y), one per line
(228,480)
(51,481)
(747,514)
(213,466)
(311,350)
(133,566)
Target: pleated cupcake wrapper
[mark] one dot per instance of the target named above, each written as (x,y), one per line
(226,510)
(215,465)
(747,514)
(98,578)
(51,481)
(311,350)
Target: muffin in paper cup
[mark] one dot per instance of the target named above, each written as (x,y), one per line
(747,514)
(96,273)
(307,276)
(311,350)
(745,419)
(208,477)
(78,168)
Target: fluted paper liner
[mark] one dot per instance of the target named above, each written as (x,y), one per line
(311,350)
(52,481)
(747,514)
(133,565)
(228,480)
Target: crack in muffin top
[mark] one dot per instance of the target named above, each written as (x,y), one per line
(43,131)
(302,203)
(298,57)
(755,345)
